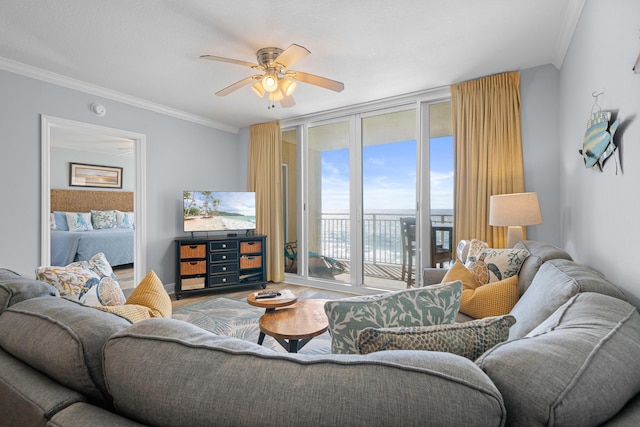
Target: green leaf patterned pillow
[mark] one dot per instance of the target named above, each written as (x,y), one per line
(430,305)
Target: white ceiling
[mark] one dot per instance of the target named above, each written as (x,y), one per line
(146,52)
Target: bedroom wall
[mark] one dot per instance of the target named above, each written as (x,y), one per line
(600,210)
(59,164)
(180,155)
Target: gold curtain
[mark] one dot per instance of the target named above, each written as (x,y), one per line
(265,165)
(488,147)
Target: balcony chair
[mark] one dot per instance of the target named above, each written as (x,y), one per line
(443,252)
(408,233)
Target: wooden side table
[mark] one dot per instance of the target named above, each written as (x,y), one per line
(293,327)
(270,304)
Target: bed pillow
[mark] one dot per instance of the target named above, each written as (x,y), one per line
(79,221)
(60,219)
(124,219)
(91,282)
(103,219)
(467,339)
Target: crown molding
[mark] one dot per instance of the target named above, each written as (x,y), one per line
(570,21)
(68,82)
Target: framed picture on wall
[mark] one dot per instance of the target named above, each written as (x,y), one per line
(81,175)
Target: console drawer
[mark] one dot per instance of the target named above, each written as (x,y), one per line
(223,279)
(223,256)
(223,245)
(193,251)
(252,247)
(192,283)
(247,261)
(193,267)
(227,267)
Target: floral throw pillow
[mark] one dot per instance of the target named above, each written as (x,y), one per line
(91,282)
(493,265)
(103,219)
(430,305)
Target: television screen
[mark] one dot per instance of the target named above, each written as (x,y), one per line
(219,210)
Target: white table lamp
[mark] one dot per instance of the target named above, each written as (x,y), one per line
(515,211)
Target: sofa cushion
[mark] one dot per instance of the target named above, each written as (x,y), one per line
(579,367)
(430,305)
(29,397)
(198,378)
(556,282)
(149,299)
(62,339)
(539,253)
(469,339)
(15,288)
(91,282)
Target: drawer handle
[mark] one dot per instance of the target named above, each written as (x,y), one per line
(193,263)
(224,280)
(193,246)
(224,245)
(224,268)
(224,257)
(251,243)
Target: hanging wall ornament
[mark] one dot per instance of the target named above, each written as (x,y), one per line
(598,143)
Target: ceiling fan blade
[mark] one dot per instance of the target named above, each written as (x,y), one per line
(291,55)
(237,85)
(319,81)
(232,61)
(287,102)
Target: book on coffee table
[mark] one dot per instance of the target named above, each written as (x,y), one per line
(284,294)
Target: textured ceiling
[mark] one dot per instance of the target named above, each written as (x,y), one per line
(146,52)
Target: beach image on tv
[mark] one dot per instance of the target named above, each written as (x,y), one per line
(219,211)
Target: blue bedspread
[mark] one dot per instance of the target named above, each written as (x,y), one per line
(71,246)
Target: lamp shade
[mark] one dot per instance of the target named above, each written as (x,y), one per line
(515,209)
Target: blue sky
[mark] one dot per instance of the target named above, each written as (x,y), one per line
(389,176)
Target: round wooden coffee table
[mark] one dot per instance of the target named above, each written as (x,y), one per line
(294,326)
(272,303)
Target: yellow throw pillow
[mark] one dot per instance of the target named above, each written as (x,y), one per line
(459,272)
(151,293)
(133,312)
(492,299)
(148,299)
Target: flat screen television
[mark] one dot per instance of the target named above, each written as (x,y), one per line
(219,210)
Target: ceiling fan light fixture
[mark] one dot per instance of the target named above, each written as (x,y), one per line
(288,85)
(276,95)
(258,89)
(270,81)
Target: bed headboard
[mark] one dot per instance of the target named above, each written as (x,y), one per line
(84,201)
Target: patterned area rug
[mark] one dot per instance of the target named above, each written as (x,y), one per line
(236,318)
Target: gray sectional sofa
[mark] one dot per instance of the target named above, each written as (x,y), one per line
(574,360)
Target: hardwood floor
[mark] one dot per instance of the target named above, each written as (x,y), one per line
(125,279)
(303,293)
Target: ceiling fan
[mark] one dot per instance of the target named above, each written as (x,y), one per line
(277,80)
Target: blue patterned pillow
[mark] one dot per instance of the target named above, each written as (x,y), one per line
(124,219)
(430,305)
(103,219)
(79,221)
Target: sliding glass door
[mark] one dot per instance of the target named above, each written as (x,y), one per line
(369,196)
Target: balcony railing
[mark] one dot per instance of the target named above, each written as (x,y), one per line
(382,239)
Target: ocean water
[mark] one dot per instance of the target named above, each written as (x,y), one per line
(382,238)
(238,222)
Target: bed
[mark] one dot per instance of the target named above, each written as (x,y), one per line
(116,242)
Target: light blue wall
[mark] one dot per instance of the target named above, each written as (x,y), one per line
(600,210)
(180,155)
